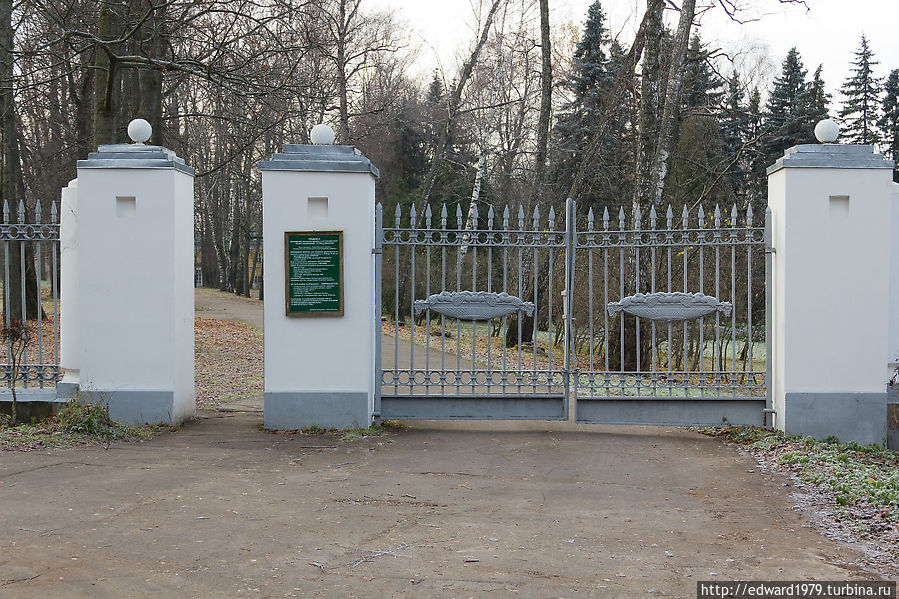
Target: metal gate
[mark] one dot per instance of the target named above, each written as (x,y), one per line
(507,316)
(668,321)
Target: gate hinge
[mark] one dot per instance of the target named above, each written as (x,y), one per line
(377,251)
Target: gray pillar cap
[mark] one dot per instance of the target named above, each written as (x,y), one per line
(830,156)
(319,158)
(134,156)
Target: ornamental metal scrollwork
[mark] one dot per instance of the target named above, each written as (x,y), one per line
(474,305)
(670,306)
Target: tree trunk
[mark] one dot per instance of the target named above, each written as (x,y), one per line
(671,110)
(342,26)
(453,103)
(608,104)
(650,89)
(153,42)
(546,90)
(452,108)
(106,80)
(13,186)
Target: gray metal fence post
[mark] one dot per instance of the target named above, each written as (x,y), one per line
(570,243)
(378,252)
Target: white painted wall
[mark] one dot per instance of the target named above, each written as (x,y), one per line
(831,294)
(320,353)
(135,290)
(68,297)
(893,351)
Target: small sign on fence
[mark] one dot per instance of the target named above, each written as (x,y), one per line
(313,263)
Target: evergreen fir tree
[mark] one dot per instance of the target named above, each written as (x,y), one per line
(862,91)
(735,128)
(734,118)
(593,74)
(788,118)
(889,122)
(757,181)
(703,88)
(435,89)
(819,99)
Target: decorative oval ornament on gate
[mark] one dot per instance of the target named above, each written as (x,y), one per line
(670,306)
(474,305)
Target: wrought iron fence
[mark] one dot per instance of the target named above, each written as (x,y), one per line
(669,306)
(31,293)
(606,337)
(434,354)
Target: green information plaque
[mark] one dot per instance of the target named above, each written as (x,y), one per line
(314,273)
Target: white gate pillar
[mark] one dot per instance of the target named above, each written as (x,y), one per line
(831,211)
(320,309)
(68,308)
(133,298)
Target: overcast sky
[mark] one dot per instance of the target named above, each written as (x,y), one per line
(826,34)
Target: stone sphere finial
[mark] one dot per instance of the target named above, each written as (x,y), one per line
(827,131)
(139,130)
(322,135)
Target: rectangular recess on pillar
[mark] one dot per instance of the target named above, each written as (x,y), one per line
(839,206)
(125,206)
(318,207)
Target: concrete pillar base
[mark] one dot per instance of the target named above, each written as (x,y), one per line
(295,410)
(859,417)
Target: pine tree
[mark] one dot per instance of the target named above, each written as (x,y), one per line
(596,59)
(788,119)
(702,86)
(591,74)
(889,122)
(734,118)
(819,99)
(757,181)
(735,129)
(861,91)
(435,89)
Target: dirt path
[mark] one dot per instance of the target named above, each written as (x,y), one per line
(227,306)
(222,509)
(211,303)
